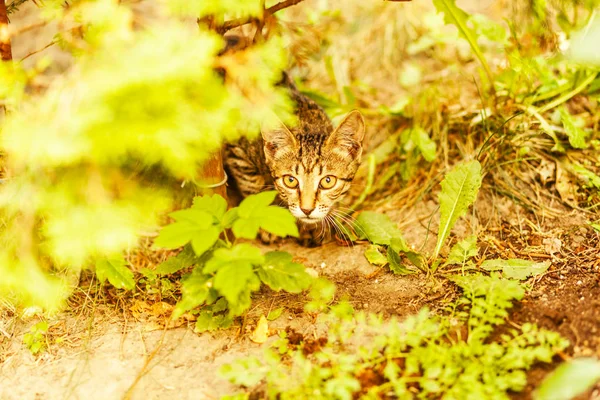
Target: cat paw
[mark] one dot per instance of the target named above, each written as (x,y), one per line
(313,235)
(268,238)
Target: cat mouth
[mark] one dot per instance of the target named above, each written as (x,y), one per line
(308,220)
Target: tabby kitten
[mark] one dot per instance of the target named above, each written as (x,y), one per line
(311,165)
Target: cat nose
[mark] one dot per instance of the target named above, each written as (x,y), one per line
(307,211)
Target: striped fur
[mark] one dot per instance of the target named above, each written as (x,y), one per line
(309,155)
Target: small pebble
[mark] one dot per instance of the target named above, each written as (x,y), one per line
(376,280)
(582,298)
(323,265)
(579,282)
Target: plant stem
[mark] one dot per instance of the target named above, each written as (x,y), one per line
(369,185)
(243,21)
(570,94)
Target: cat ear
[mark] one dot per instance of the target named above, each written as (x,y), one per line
(277,139)
(349,134)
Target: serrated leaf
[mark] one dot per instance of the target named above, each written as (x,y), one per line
(229,218)
(516,268)
(395,263)
(192,225)
(457,17)
(569,380)
(116,271)
(279,272)
(462,251)
(231,279)
(177,263)
(374,256)
(459,190)
(377,228)
(256,202)
(426,146)
(577,136)
(207,322)
(214,205)
(242,252)
(256,212)
(195,291)
(274,314)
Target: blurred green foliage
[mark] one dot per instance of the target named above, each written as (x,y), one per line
(77,155)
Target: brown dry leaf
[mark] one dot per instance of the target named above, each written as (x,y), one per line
(161,308)
(552,245)
(565,185)
(546,171)
(138,308)
(261,333)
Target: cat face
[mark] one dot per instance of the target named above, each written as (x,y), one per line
(313,170)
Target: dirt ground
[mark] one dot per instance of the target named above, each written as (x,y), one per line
(108,345)
(110,350)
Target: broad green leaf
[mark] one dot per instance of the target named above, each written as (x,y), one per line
(395,263)
(229,218)
(459,190)
(256,212)
(192,225)
(243,252)
(399,245)
(426,146)
(457,17)
(590,178)
(577,136)
(214,205)
(116,271)
(462,251)
(515,268)
(195,291)
(256,202)
(231,280)
(374,256)
(377,228)
(280,272)
(274,314)
(207,321)
(569,380)
(177,263)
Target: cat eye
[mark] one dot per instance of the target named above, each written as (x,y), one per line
(290,181)
(328,182)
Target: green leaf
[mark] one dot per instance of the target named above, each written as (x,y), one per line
(241,253)
(426,146)
(177,263)
(374,256)
(247,371)
(279,272)
(214,205)
(115,270)
(462,251)
(516,268)
(207,321)
(577,136)
(231,280)
(255,212)
(459,190)
(569,380)
(195,226)
(457,17)
(274,314)
(395,263)
(230,217)
(399,245)
(195,291)
(377,228)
